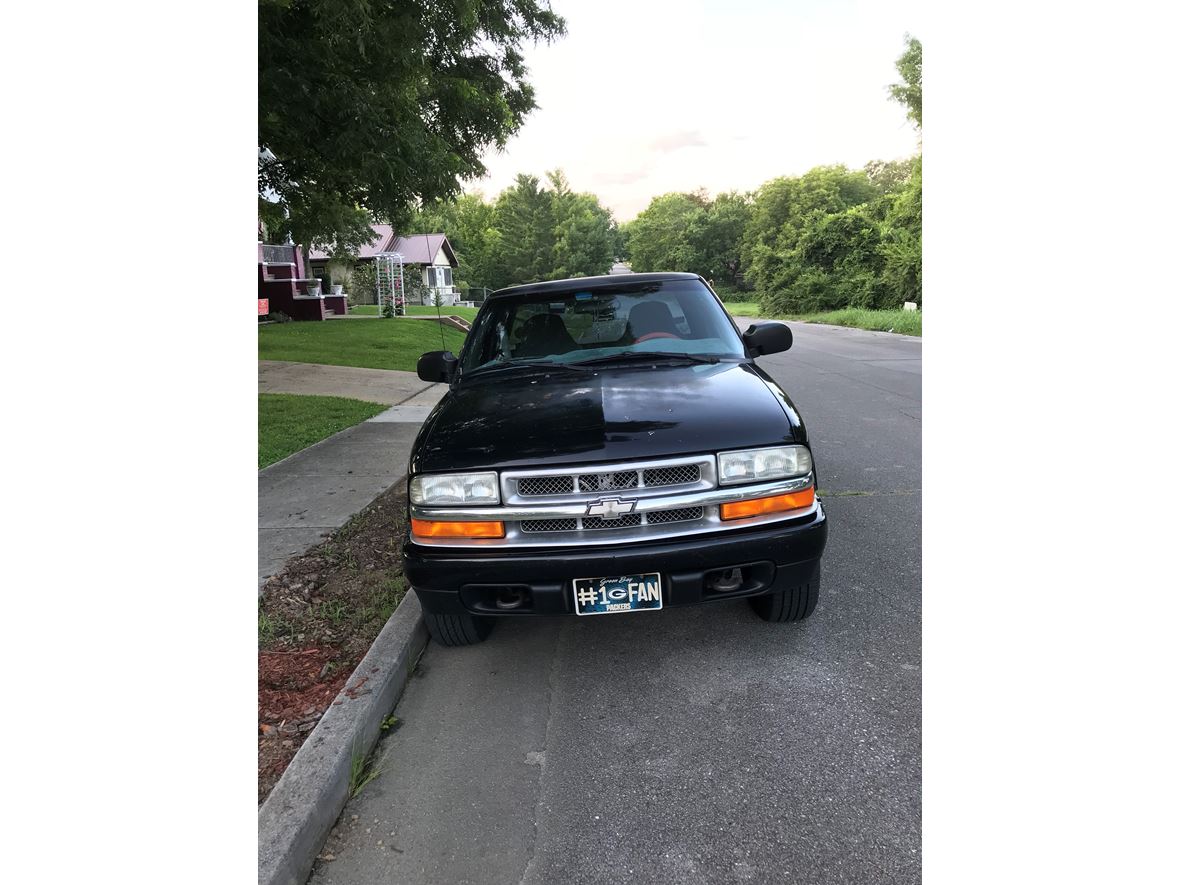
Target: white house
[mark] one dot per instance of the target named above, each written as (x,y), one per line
(430,255)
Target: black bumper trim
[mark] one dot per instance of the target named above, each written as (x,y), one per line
(450,582)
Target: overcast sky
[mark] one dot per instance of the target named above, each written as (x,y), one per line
(641,97)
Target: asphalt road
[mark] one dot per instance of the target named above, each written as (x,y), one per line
(701,744)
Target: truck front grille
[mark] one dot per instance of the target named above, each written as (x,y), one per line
(628,486)
(597,523)
(605,480)
(608,482)
(607,504)
(685,474)
(682,514)
(540,486)
(539,526)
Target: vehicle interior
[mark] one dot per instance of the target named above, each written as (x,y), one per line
(576,325)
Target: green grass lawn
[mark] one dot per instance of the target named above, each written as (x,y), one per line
(418,310)
(902,322)
(468,313)
(288,423)
(385,344)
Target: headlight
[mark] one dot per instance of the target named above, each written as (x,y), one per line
(780,462)
(455,488)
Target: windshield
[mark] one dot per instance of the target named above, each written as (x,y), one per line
(665,317)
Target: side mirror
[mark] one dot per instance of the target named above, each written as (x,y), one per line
(438,365)
(767,337)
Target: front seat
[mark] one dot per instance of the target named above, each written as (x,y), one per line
(652,319)
(544,335)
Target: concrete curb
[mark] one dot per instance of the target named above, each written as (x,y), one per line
(295,819)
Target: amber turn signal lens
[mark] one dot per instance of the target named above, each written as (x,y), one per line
(426,528)
(774,504)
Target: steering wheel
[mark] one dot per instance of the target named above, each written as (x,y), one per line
(651,335)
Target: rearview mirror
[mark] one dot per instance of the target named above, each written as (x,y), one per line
(767,337)
(438,365)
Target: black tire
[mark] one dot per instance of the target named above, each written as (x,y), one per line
(461,629)
(794,604)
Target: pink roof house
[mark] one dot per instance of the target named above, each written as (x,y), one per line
(428,254)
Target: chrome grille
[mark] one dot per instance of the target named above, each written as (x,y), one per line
(549,525)
(683,474)
(539,486)
(597,523)
(586,482)
(634,484)
(608,482)
(623,522)
(681,514)
(645,513)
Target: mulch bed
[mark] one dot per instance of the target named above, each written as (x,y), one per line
(316,621)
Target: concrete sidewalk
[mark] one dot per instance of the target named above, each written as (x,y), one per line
(304,497)
(311,379)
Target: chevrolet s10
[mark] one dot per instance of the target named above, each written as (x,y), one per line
(609,445)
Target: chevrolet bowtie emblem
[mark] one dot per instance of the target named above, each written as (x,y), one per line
(611,508)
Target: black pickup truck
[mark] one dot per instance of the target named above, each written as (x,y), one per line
(609,445)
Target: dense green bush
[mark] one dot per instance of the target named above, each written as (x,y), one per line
(363,285)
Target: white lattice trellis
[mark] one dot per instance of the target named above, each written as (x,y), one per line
(391,282)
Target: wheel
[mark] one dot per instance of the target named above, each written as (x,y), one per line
(460,629)
(793,604)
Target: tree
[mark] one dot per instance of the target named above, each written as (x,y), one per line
(717,236)
(468,222)
(901,242)
(584,232)
(657,239)
(784,210)
(890,176)
(368,108)
(909,91)
(524,218)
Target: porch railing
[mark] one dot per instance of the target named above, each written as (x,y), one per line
(278,254)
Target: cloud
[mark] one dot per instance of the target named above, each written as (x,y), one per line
(675,141)
(621,177)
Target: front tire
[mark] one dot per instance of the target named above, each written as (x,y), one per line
(460,629)
(793,604)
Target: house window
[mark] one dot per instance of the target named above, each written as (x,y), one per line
(438,277)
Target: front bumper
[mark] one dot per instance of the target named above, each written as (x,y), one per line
(774,557)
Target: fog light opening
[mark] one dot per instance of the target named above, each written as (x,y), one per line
(510,598)
(725,580)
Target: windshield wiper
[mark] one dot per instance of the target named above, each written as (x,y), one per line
(647,356)
(522,364)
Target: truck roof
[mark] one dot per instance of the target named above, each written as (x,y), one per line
(572,285)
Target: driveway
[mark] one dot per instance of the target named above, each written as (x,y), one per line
(702,744)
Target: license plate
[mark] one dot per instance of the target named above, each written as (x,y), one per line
(611,596)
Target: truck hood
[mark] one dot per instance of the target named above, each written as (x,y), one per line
(616,414)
